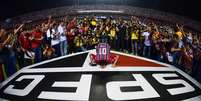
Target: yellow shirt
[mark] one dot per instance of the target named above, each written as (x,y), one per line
(93,23)
(180,34)
(112,33)
(78,42)
(156,35)
(134,35)
(94,41)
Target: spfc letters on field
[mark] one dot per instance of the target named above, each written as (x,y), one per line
(107,86)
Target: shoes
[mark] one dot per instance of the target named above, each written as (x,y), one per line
(92,64)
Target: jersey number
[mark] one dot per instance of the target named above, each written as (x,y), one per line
(102,51)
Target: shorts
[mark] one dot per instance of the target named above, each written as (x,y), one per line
(103,62)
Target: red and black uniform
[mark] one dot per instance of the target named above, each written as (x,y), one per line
(36,45)
(103,55)
(24,41)
(36,42)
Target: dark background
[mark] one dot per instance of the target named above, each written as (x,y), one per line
(187,8)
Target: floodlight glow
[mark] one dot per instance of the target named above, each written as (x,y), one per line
(99,11)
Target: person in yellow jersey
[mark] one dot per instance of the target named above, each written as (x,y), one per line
(112,35)
(179,32)
(134,40)
(98,31)
(94,40)
(85,41)
(93,23)
(78,41)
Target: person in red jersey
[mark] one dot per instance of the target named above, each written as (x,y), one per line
(103,56)
(36,40)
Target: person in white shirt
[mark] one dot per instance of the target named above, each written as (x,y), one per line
(147,43)
(48,36)
(63,39)
(55,40)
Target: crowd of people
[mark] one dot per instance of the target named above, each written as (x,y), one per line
(27,44)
